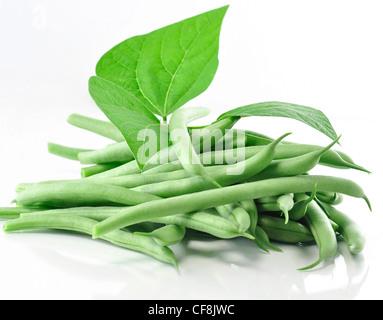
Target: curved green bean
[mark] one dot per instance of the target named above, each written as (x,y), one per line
(323,232)
(262,240)
(85,225)
(330,197)
(116,152)
(285,203)
(182,144)
(83,193)
(278,230)
(100,127)
(64,151)
(207,221)
(98,168)
(348,228)
(167,235)
(294,166)
(302,201)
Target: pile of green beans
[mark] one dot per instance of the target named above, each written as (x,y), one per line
(269,197)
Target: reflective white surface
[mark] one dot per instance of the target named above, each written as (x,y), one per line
(53,47)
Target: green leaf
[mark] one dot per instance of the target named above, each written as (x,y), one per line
(310,116)
(166,68)
(117,104)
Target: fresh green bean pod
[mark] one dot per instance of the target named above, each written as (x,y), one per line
(85,225)
(207,221)
(278,230)
(125,169)
(348,228)
(285,203)
(116,152)
(323,232)
(332,198)
(238,215)
(251,209)
(15,212)
(268,207)
(126,181)
(294,166)
(262,240)
(283,151)
(302,201)
(217,197)
(207,136)
(100,127)
(167,235)
(268,199)
(83,193)
(98,168)
(95,213)
(182,144)
(64,151)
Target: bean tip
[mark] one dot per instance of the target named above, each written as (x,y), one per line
(368,202)
(96,232)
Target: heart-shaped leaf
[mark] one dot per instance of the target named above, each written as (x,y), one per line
(168,67)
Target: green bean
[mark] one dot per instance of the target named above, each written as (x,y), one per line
(251,209)
(207,221)
(283,151)
(268,207)
(206,135)
(285,203)
(348,228)
(330,197)
(15,212)
(64,151)
(167,235)
(116,152)
(218,134)
(268,199)
(182,144)
(217,197)
(237,215)
(258,139)
(166,167)
(95,213)
(126,181)
(98,168)
(262,240)
(323,232)
(224,176)
(302,201)
(101,127)
(84,225)
(83,193)
(294,166)
(278,230)
(125,169)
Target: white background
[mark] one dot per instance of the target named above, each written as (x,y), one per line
(324,54)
